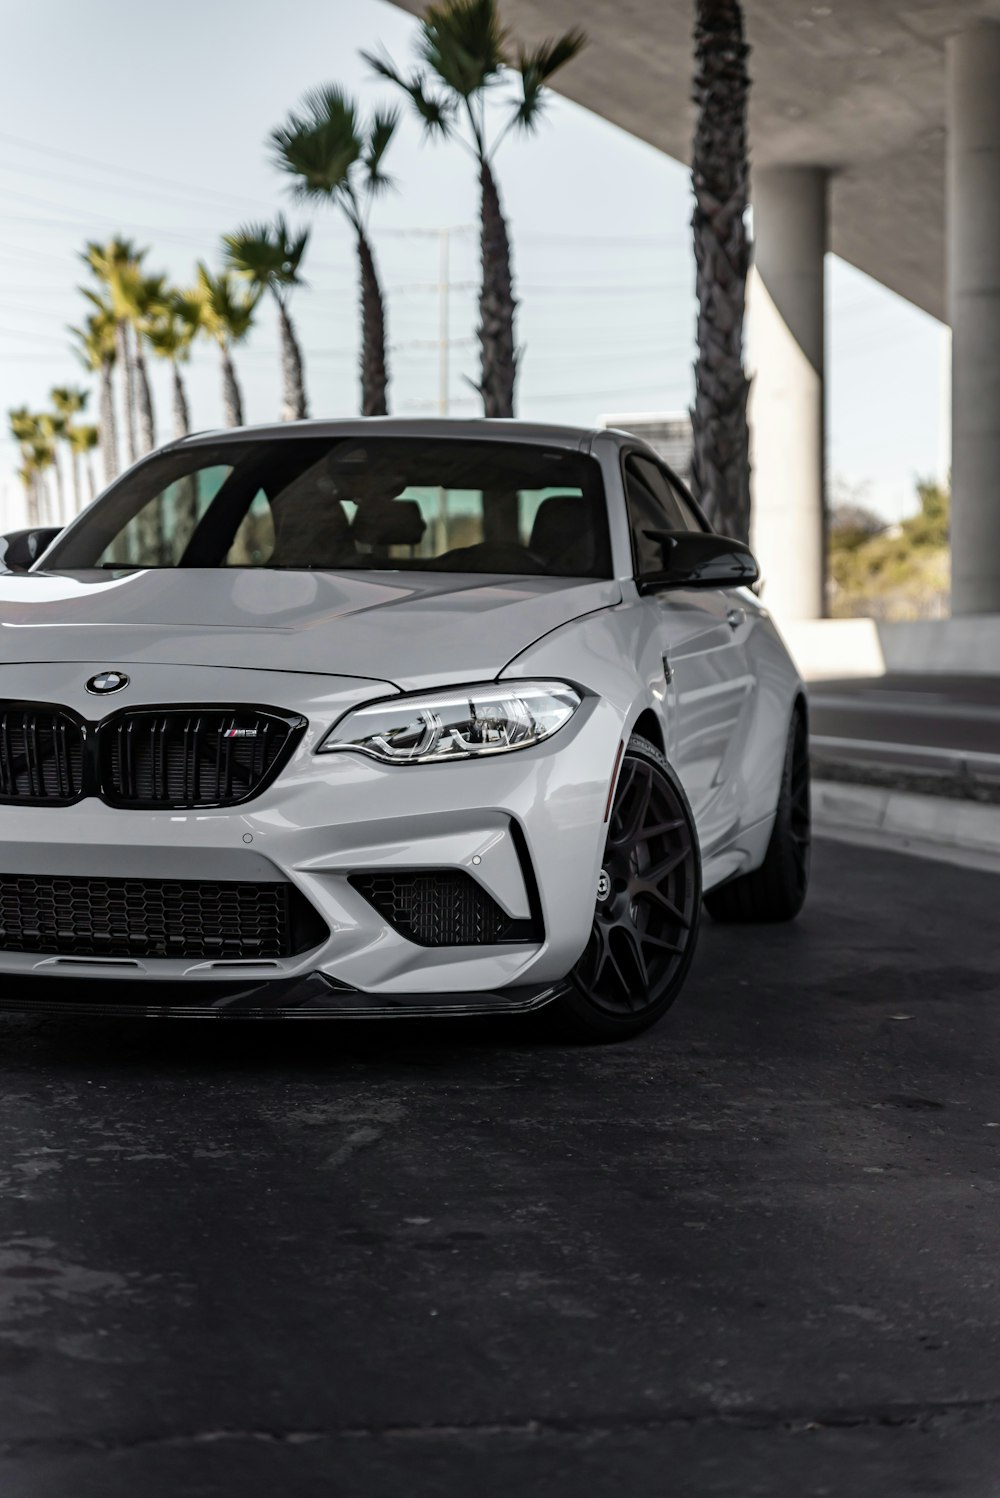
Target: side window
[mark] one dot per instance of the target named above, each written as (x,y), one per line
(653,505)
(158,534)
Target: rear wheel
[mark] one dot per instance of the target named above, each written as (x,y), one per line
(777,890)
(648,903)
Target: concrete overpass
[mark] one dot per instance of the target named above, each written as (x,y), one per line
(875,133)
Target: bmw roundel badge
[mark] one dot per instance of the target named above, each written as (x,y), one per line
(107,681)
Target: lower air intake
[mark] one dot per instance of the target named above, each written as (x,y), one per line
(154,918)
(442,908)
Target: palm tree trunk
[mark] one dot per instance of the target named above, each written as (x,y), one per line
(91,487)
(147,428)
(106,419)
(232,400)
(128,382)
(293,406)
(34,508)
(182,416)
(59,508)
(721,462)
(496,305)
(374,376)
(74,458)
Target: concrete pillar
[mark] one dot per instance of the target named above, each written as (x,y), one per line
(973,260)
(786,345)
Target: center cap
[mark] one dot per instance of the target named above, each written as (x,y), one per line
(603,885)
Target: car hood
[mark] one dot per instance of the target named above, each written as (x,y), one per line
(410,629)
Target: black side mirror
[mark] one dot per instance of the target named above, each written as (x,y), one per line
(699,559)
(19,550)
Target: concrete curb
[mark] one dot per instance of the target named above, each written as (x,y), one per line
(959,832)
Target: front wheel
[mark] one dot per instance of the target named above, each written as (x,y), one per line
(648,903)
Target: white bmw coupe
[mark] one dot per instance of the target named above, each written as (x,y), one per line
(387,717)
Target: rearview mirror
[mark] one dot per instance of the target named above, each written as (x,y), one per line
(699,559)
(19,550)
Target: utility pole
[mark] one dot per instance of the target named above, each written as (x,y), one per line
(444,298)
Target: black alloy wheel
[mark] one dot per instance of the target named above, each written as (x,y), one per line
(648,904)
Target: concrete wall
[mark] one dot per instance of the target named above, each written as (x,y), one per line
(830,648)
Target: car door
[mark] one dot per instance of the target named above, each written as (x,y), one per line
(703,634)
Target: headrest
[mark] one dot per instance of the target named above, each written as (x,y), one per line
(391,522)
(563,530)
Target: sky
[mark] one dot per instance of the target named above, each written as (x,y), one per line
(153,122)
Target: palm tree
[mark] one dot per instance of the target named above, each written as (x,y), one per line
(26,431)
(96,348)
(337,159)
(721,463)
(225,311)
(52,429)
(70,402)
(116,264)
(144,297)
(268,256)
(83,440)
(465,51)
(170,335)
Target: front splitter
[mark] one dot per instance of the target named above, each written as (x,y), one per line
(313,996)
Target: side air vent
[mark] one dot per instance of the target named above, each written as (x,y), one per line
(41,755)
(442,908)
(193,757)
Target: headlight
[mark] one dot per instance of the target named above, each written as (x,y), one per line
(460,724)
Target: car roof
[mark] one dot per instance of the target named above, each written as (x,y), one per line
(495,429)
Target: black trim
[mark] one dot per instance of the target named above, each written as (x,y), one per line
(95,749)
(310,996)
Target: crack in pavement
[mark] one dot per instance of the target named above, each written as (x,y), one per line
(888,1416)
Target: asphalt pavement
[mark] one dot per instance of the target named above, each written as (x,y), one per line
(946,712)
(752,1253)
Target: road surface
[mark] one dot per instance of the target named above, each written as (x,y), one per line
(752,1253)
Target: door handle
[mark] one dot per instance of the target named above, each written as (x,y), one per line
(735,617)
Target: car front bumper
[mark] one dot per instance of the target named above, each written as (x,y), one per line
(528,827)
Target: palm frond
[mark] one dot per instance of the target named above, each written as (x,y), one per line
(225,305)
(464,43)
(266,254)
(319,146)
(536,67)
(380,133)
(435,111)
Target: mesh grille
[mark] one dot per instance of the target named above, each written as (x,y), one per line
(152,918)
(441,908)
(191,758)
(41,755)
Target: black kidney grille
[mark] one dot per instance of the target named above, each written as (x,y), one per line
(41,755)
(153,918)
(192,757)
(442,908)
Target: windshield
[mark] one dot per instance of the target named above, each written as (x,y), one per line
(351,503)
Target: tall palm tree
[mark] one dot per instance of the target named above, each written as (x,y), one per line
(720,174)
(225,311)
(336,158)
(96,348)
(466,53)
(269,256)
(69,402)
(115,265)
(144,297)
(83,439)
(170,335)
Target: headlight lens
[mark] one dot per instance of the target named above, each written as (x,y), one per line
(463,724)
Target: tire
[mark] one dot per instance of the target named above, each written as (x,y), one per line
(777,890)
(646,921)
